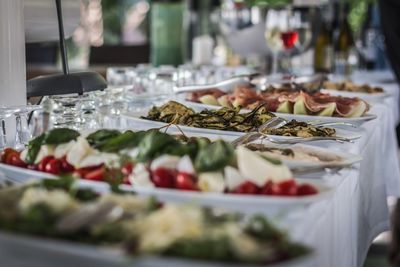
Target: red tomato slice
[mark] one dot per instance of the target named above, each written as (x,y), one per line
(271,188)
(288,188)
(96,175)
(185,181)
(247,188)
(15,160)
(163,177)
(65,166)
(6,153)
(53,166)
(81,173)
(42,164)
(306,190)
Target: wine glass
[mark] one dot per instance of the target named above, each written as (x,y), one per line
(281,35)
(23,133)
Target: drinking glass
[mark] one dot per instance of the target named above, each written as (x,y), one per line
(23,132)
(5,112)
(280,35)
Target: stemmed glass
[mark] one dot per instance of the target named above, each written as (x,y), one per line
(280,35)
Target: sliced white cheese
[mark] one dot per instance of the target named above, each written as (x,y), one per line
(140,176)
(94,159)
(131,152)
(63,149)
(45,150)
(258,170)
(79,151)
(211,182)
(185,165)
(233,178)
(23,155)
(165,161)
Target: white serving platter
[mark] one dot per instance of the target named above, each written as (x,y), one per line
(307,118)
(133,120)
(233,202)
(346,159)
(371,98)
(18,250)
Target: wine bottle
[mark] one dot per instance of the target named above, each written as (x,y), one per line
(323,51)
(344,45)
(369,34)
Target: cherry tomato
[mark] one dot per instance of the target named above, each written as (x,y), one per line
(271,188)
(306,189)
(53,166)
(288,188)
(65,166)
(163,177)
(96,175)
(247,188)
(43,163)
(127,168)
(6,155)
(185,181)
(15,160)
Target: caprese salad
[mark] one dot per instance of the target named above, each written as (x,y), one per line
(155,159)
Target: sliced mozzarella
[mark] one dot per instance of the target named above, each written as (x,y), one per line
(185,165)
(140,176)
(79,151)
(233,178)
(63,149)
(165,161)
(259,170)
(211,182)
(108,159)
(23,155)
(45,150)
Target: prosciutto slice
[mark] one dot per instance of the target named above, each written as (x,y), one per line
(312,104)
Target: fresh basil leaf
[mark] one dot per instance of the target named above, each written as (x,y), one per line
(155,143)
(214,157)
(60,136)
(128,139)
(34,148)
(101,136)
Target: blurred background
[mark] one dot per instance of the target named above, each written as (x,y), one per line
(300,36)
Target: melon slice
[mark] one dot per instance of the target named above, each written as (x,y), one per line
(285,107)
(299,107)
(358,110)
(209,100)
(224,101)
(328,111)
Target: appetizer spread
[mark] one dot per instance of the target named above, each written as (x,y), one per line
(139,227)
(231,119)
(349,86)
(155,159)
(285,101)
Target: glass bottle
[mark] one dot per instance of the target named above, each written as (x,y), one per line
(168,32)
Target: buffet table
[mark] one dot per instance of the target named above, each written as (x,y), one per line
(342,228)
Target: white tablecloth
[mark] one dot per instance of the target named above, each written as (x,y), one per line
(342,228)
